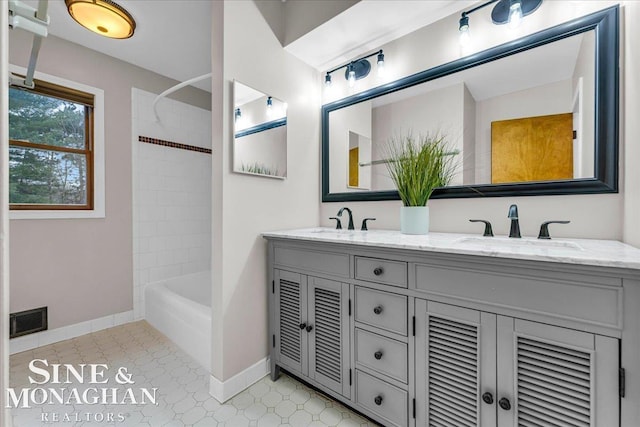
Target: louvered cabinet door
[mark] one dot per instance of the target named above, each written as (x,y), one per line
(329,339)
(556,377)
(455,365)
(291,319)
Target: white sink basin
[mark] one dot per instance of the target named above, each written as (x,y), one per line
(506,242)
(332,231)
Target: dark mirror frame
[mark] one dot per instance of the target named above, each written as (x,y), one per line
(605,24)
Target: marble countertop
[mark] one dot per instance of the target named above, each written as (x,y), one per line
(602,253)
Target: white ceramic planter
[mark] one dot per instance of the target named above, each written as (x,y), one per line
(414,219)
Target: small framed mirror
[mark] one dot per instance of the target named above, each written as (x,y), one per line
(259,133)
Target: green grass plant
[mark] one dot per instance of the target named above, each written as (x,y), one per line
(258,168)
(419,165)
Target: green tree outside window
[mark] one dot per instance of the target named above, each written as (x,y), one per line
(50,156)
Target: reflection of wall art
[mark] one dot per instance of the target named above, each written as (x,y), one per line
(353,167)
(532,149)
(359,173)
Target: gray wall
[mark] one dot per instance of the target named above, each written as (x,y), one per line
(244,205)
(82,268)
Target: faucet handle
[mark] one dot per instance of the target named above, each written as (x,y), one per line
(488,231)
(364,223)
(544,228)
(338,223)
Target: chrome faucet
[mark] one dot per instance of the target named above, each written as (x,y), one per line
(350,227)
(515,225)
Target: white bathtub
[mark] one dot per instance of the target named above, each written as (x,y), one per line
(180,308)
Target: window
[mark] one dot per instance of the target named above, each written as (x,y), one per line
(50,148)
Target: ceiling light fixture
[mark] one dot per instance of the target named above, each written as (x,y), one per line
(508,12)
(103,17)
(357,69)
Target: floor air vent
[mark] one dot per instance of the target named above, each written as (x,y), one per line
(27,322)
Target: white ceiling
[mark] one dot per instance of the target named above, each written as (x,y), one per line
(173,37)
(366,26)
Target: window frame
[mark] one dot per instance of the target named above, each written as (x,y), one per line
(95,207)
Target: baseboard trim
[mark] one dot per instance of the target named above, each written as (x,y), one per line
(40,339)
(225,390)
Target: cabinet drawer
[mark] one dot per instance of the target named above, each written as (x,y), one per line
(388,402)
(382,309)
(392,273)
(387,356)
(335,264)
(573,299)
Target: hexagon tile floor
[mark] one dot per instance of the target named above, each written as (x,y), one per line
(182,397)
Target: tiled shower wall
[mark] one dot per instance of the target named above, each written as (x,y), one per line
(171,192)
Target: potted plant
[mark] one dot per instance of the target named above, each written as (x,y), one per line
(418,166)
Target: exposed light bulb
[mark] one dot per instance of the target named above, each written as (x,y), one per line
(380,64)
(327,80)
(465,36)
(269,107)
(515,14)
(352,78)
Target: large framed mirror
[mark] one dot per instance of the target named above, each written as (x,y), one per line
(260,133)
(535,116)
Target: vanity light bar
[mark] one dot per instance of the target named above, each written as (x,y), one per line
(357,69)
(505,12)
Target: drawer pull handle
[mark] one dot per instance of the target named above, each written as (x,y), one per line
(378,400)
(378,309)
(504,403)
(309,328)
(487,398)
(378,271)
(377,355)
(303,325)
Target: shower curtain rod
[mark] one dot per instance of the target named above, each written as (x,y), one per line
(36,22)
(175,88)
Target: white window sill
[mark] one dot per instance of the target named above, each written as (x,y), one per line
(93,214)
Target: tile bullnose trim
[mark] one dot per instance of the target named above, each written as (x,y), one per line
(222,391)
(172,144)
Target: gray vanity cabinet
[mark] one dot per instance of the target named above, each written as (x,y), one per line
(481,369)
(415,338)
(311,334)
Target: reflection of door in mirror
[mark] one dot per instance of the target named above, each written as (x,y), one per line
(532,149)
(359,174)
(345,122)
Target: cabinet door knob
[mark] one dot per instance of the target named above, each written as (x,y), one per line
(378,271)
(309,328)
(487,398)
(378,400)
(377,355)
(504,403)
(303,325)
(378,309)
